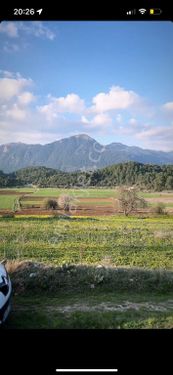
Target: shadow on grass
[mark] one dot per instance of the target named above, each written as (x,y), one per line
(40,278)
(49,218)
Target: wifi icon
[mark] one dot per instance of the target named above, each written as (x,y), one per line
(142,11)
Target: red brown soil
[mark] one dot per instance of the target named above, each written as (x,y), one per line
(160,200)
(13,192)
(81,211)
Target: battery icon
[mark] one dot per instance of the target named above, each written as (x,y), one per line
(155,11)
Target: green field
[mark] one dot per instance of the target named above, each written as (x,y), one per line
(122,241)
(6,201)
(127,261)
(80,193)
(84,193)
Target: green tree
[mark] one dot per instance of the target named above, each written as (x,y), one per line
(159,182)
(169,183)
(50,204)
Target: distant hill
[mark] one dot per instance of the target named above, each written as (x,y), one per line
(79,152)
(144,176)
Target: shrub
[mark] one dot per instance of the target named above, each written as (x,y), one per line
(8,215)
(159,209)
(50,204)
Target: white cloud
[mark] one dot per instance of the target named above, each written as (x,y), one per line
(71,103)
(85,120)
(157,138)
(68,115)
(11,87)
(119,118)
(37,29)
(10,29)
(11,47)
(98,120)
(132,121)
(16,113)
(26,97)
(159,132)
(18,29)
(13,98)
(102,119)
(168,106)
(6,73)
(116,98)
(20,32)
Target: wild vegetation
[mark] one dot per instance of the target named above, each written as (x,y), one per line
(117,241)
(129,201)
(144,176)
(76,261)
(50,204)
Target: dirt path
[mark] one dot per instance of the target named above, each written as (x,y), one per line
(14,192)
(102,307)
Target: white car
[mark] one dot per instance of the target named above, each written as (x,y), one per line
(5,293)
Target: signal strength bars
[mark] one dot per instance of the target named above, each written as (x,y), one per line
(143,11)
(131,12)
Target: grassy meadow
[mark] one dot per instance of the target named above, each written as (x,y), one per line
(105,197)
(106,271)
(117,241)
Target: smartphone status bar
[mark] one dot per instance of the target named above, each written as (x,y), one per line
(88,14)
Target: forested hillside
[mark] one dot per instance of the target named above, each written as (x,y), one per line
(144,176)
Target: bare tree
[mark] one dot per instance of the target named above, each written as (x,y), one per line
(129,201)
(65,202)
(17,205)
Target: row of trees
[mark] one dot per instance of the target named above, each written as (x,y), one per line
(128,199)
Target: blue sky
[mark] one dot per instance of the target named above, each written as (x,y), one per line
(110,80)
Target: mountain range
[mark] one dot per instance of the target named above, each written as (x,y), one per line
(78,152)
